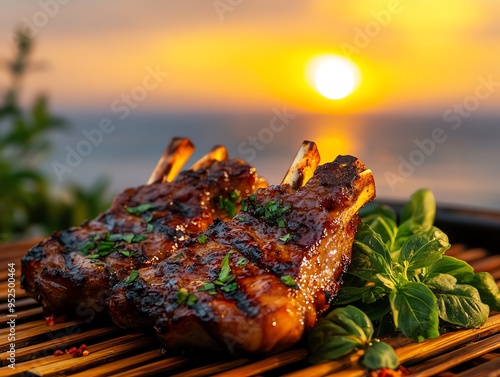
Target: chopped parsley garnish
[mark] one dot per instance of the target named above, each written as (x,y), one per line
(244,205)
(128,238)
(113,237)
(184,297)
(225,280)
(178,255)
(287,237)
(242,262)
(228,288)
(224,274)
(134,274)
(150,228)
(202,239)
(242,219)
(208,287)
(229,205)
(272,211)
(87,246)
(108,243)
(288,280)
(139,209)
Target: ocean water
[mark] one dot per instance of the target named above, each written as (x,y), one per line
(458,160)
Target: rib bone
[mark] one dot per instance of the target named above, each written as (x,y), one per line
(303,166)
(173,159)
(218,153)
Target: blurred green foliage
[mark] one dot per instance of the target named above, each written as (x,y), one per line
(28,203)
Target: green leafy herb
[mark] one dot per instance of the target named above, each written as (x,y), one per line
(244,205)
(139,238)
(288,280)
(229,204)
(208,287)
(109,242)
(134,274)
(149,228)
(242,219)
(234,196)
(185,297)
(202,239)
(231,287)
(344,331)
(272,211)
(287,237)
(379,355)
(87,246)
(225,279)
(242,262)
(139,209)
(403,266)
(128,238)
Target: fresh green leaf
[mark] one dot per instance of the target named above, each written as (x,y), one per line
(225,269)
(341,332)
(182,295)
(230,287)
(128,238)
(487,288)
(424,248)
(202,239)
(207,287)
(114,237)
(87,246)
(139,238)
(420,209)
(288,280)
(331,347)
(234,196)
(242,262)
(379,355)
(134,274)
(386,228)
(149,228)
(228,206)
(415,312)
(458,268)
(287,237)
(405,230)
(370,255)
(462,307)
(354,321)
(139,209)
(125,253)
(347,294)
(441,282)
(191,300)
(374,210)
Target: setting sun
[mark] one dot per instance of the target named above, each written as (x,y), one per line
(334,77)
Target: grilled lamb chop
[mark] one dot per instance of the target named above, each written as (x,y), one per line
(256,283)
(72,271)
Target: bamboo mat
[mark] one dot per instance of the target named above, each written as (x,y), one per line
(115,352)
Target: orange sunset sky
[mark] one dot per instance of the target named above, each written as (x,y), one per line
(232,55)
